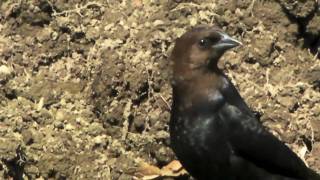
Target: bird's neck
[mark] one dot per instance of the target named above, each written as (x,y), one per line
(195,87)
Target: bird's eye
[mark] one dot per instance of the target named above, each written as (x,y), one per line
(204,43)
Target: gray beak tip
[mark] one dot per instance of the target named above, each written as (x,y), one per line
(227,42)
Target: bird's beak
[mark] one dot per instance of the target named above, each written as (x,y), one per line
(226,42)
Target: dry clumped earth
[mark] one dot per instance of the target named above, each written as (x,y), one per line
(85,85)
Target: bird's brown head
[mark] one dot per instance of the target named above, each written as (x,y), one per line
(200,49)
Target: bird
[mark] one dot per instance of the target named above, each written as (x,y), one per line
(213,132)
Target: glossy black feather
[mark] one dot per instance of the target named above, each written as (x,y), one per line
(213,132)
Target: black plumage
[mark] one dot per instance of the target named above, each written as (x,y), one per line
(213,132)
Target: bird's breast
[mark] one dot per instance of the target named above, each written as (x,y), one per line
(197,131)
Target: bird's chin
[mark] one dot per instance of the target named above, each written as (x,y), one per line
(214,57)
(213,62)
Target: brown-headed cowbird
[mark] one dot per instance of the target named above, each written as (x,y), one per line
(213,132)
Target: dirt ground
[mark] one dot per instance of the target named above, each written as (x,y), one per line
(85,85)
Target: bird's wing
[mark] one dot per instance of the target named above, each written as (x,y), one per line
(251,141)
(232,96)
